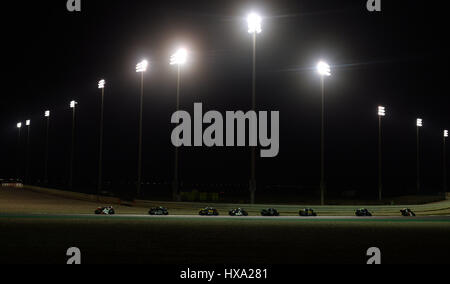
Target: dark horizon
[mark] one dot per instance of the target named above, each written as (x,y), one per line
(396,59)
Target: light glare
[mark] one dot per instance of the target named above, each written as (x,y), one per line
(445,133)
(179,57)
(419,122)
(254,23)
(47,113)
(73,104)
(381,111)
(323,69)
(19,125)
(142,66)
(28,122)
(101,84)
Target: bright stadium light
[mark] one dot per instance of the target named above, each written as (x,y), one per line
(27,152)
(254,23)
(19,130)
(73,105)
(419,122)
(142,66)
(444,161)
(101,86)
(47,115)
(381,115)
(323,69)
(179,57)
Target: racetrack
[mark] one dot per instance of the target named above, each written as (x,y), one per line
(30,202)
(33,231)
(131,217)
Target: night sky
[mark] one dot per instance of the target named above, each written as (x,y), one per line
(397,58)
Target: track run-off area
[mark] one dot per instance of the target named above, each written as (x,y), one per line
(39,228)
(28,201)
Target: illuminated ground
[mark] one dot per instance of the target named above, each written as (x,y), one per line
(25,201)
(136,238)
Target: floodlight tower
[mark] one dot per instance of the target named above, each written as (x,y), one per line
(419,124)
(324,70)
(27,169)
(444,161)
(101,85)
(179,58)
(73,106)
(254,22)
(19,128)
(381,114)
(47,116)
(141,67)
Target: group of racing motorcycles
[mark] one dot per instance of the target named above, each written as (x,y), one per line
(270,212)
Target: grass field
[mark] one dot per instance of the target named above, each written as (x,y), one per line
(215,241)
(29,238)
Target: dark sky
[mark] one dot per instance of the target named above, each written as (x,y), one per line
(397,58)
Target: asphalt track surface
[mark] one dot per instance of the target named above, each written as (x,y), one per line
(422,219)
(33,231)
(29,202)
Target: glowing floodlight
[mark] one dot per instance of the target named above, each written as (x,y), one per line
(73,104)
(381,111)
(323,69)
(28,122)
(179,57)
(19,125)
(419,122)
(47,113)
(254,23)
(445,133)
(101,84)
(142,66)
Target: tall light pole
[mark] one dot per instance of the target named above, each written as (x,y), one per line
(141,67)
(19,128)
(73,106)
(47,116)
(27,169)
(324,70)
(419,124)
(381,114)
(444,161)
(101,85)
(254,22)
(179,58)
